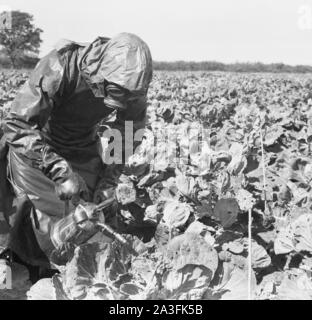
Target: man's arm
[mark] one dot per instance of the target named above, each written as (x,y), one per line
(30,112)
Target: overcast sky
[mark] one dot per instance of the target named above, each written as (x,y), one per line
(222,30)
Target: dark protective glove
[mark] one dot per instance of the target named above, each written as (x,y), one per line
(74,186)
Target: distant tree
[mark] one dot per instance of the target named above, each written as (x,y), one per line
(20,38)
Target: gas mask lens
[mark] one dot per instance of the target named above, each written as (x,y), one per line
(116,97)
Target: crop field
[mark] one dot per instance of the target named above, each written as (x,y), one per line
(222,182)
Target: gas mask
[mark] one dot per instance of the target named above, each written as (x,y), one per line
(119,98)
(116,97)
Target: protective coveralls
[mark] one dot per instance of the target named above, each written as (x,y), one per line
(51,130)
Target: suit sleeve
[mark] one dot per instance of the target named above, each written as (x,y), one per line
(29,114)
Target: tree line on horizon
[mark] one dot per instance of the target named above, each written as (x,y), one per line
(230,67)
(29,62)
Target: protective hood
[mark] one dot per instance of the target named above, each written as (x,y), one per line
(124,60)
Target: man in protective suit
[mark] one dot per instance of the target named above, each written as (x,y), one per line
(50,133)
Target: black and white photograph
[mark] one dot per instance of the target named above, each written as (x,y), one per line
(156,151)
